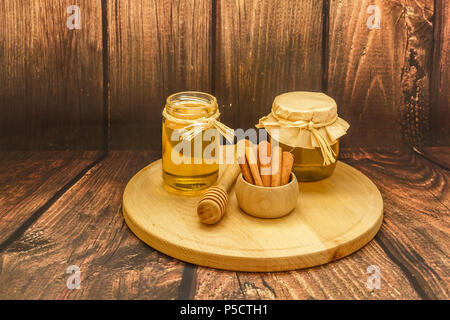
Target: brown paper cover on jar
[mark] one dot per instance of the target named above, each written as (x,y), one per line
(295,113)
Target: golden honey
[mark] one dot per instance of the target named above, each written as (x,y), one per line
(308,163)
(185,166)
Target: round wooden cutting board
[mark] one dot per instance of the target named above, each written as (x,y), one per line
(333,218)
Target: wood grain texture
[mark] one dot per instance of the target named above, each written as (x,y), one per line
(155,48)
(264,48)
(85,228)
(411,248)
(51,92)
(439,181)
(437,155)
(417,219)
(29,180)
(245,52)
(167,221)
(380,77)
(342,279)
(440,94)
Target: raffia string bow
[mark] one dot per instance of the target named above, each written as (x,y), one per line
(329,156)
(193,127)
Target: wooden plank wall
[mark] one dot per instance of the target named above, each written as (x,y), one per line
(155,48)
(264,48)
(104,86)
(380,77)
(51,78)
(440,116)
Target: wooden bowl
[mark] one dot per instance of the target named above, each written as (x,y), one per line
(267,202)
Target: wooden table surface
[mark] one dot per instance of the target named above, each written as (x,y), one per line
(59,209)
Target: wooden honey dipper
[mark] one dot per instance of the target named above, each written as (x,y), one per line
(213,204)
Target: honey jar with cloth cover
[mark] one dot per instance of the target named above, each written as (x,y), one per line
(307,125)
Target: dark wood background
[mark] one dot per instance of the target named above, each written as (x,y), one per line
(80,114)
(104,86)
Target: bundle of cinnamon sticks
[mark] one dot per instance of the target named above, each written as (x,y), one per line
(263,165)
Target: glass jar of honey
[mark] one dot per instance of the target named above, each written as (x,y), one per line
(308,163)
(186,164)
(307,125)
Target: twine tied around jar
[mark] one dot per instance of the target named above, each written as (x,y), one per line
(328,154)
(193,127)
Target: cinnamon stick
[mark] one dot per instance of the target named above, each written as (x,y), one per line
(265,169)
(253,162)
(242,161)
(286,167)
(245,169)
(277,157)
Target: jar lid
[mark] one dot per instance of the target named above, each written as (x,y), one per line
(304,105)
(306,120)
